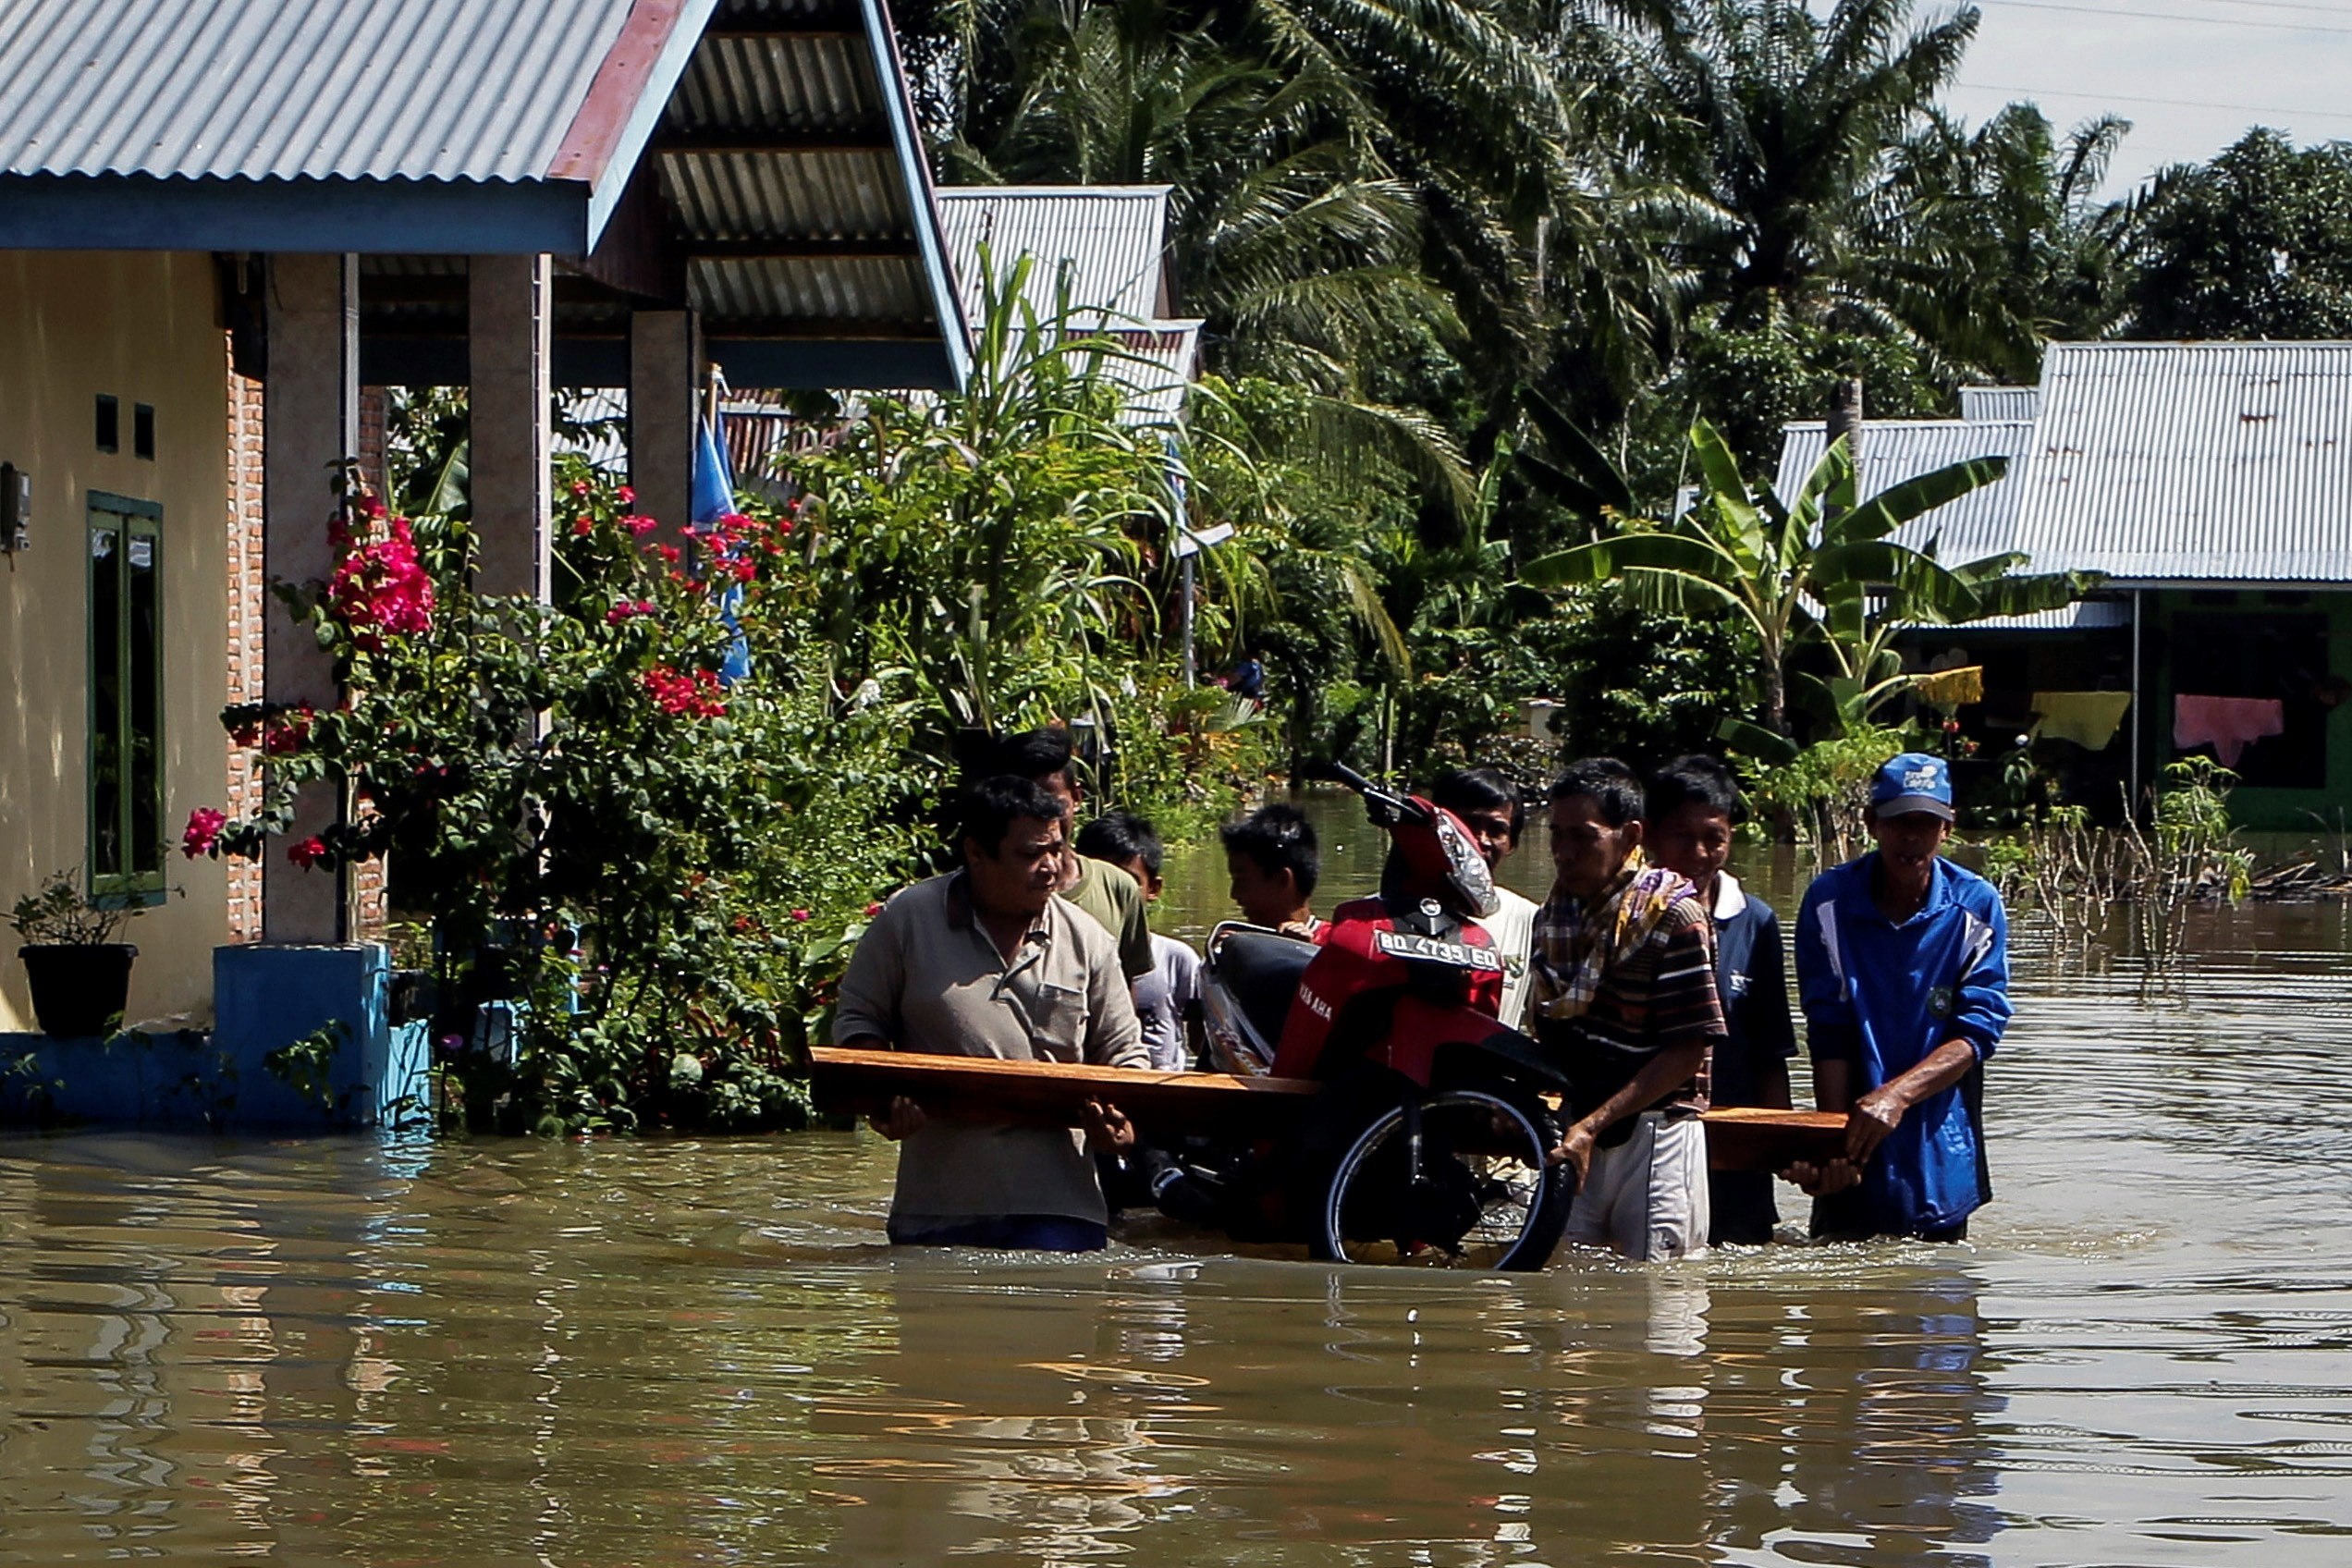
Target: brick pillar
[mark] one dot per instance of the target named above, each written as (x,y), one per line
(311,404)
(509,334)
(248,600)
(666,371)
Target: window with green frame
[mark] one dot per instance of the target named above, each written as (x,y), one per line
(126,699)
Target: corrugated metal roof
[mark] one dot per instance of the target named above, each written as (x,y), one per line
(1166,363)
(436,89)
(1113,236)
(1979,404)
(2193,462)
(1981,523)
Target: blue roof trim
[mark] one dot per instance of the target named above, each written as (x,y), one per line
(371,217)
(612,181)
(954,330)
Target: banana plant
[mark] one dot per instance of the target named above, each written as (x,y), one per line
(1815,568)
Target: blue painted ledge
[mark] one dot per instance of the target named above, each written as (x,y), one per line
(367,1073)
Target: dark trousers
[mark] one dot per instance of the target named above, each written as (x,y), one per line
(1845,1217)
(1741,1203)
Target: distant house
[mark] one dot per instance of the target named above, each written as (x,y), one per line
(224,227)
(2212,484)
(1107,245)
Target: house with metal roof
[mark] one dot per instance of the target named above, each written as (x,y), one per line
(224,223)
(1098,251)
(2211,483)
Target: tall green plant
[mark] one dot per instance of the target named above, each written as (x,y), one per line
(1815,568)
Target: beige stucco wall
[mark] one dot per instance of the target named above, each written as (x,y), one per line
(144,328)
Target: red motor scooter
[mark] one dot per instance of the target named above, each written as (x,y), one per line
(1428,1141)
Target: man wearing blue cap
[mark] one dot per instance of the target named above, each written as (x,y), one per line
(1903,968)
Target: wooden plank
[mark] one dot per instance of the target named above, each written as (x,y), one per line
(1053,1093)
(1174,1104)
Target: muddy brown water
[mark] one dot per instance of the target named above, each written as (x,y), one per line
(700,1351)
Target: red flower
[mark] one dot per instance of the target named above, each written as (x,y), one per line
(583,525)
(308,853)
(670,554)
(744,570)
(628,609)
(874,909)
(639,526)
(628,497)
(673,691)
(580,488)
(285,734)
(371,509)
(204,825)
(784,526)
(800,915)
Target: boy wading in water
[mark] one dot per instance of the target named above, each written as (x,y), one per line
(1692,803)
(1624,991)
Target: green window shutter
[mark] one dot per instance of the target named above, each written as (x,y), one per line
(126,565)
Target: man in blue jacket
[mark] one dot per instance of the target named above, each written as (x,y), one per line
(1903,969)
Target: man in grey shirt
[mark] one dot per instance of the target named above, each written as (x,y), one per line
(986,961)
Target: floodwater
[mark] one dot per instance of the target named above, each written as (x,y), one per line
(700,1352)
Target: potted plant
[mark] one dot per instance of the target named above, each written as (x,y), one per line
(81,976)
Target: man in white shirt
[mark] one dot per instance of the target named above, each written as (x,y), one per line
(1165,993)
(1495,814)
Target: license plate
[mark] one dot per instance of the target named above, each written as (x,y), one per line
(1429,949)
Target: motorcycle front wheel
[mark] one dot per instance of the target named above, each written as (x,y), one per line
(1451,1179)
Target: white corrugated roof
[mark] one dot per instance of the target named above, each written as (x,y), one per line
(1979,404)
(443,90)
(2193,462)
(1166,361)
(1113,236)
(1981,523)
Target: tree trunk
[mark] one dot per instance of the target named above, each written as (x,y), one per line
(1846,418)
(1775,693)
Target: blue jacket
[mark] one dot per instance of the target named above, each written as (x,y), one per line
(1882,996)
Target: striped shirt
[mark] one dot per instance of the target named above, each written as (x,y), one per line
(1659,996)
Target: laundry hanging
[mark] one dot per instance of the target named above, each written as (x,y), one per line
(2087,718)
(2229,725)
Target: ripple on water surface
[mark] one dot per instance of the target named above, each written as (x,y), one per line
(691,1352)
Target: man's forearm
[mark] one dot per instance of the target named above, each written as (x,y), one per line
(1659,1076)
(1934,1072)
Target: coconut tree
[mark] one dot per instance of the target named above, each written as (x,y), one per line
(1815,568)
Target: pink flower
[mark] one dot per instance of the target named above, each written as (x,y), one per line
(204,825)
(800,915)
(308,853)
(670,554)
(580,488)
(382,587)
(628,609)
(628,497)
(639,526)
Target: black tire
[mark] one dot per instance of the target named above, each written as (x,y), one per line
(1486,1199)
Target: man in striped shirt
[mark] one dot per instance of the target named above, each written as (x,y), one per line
(1624,991)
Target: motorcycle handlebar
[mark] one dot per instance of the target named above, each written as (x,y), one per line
(1386,807)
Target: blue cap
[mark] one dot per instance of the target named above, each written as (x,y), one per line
(1913,781)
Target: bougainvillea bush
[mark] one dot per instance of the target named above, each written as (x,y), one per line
(663,866)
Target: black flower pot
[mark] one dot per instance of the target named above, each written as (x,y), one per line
(78,989)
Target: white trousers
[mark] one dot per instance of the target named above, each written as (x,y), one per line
(1647,1197)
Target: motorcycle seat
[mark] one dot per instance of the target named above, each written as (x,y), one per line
(1260,971)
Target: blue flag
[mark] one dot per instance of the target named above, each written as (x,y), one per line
(714,498)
